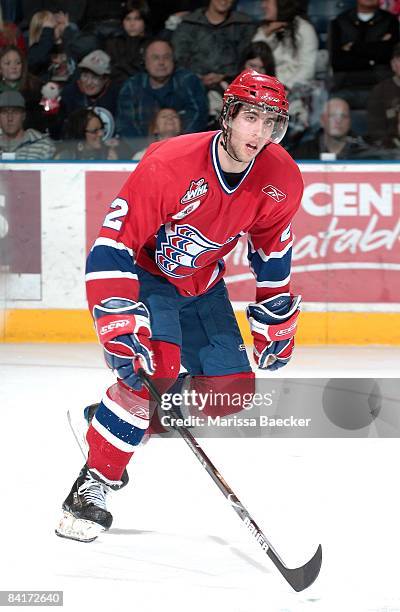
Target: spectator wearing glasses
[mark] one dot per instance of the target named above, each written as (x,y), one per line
(15,141)
(94,86)
(84,132)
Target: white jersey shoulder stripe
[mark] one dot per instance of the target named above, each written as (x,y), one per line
(113,244)
(110,274)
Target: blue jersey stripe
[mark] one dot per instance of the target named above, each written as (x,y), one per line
(104,258)
(120,429)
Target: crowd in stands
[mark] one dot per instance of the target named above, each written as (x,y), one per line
(102,79)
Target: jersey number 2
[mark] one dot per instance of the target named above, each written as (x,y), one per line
(112,219)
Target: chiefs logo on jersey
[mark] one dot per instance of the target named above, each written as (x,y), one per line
(274,193)
(197,189)
(180,248)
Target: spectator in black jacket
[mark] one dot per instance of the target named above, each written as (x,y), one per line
(361,42)
(46,29)
(126,48)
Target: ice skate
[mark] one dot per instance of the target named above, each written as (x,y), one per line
(85,514)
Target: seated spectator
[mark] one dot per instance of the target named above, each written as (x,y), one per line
(85,139)
(15,77)
(10,34)
(293,41)
(361,42)
(166,123)
(384,103)
(210,41)
(15,142)
(61,68)
(335,139)
(74,8)
(126,49)
(46,29)
(94,86)
(161,86)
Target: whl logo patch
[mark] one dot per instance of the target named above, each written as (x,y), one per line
(197,189)
(274,193)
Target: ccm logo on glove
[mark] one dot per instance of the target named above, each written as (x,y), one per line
(115,325)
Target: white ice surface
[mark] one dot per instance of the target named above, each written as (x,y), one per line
(176,545)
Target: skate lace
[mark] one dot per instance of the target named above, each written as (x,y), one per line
(94,492)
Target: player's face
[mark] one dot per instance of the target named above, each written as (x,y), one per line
(11,66)
(250,131)
(11,120)
(133,24)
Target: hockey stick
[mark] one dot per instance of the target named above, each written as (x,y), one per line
(299,578)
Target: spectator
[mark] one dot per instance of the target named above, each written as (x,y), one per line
(85,139)
(46,29)
(161,86)
(10,34)
(211,41)
(126,49)
(258,56)
(15,142)
(166,123)
(73,8)
(94,86)
(384,103)
(361,42)
(335,140)
(293,41)
(15,77)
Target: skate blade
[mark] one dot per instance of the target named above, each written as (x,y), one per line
(74,528)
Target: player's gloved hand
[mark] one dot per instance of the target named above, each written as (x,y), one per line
(123,328)
(273,325)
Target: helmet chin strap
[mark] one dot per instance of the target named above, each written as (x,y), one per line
(224,144)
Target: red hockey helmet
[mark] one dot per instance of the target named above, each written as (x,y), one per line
(260,90)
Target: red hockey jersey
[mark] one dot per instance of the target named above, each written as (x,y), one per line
(177,217)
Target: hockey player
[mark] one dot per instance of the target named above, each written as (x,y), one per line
(154,277)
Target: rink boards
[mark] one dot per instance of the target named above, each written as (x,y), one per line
(346,257)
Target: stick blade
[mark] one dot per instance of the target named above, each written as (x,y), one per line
(299,578)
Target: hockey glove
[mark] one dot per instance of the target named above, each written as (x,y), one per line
(123,328)
(273,324)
